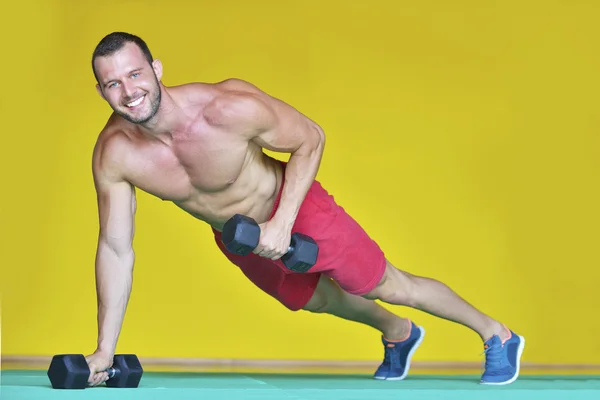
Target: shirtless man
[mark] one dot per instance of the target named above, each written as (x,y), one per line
(200,146)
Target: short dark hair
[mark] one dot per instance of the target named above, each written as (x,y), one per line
(114,41)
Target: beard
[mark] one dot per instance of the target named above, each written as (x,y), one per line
(153,100)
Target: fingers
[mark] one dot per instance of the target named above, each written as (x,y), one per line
(273,256)
(264,250)
(98,379)
(92,368)
(273,242)
(258,250)
(269,252)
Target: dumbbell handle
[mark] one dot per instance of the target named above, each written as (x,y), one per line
(112,372)
(290,248)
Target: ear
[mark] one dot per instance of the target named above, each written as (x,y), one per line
(158,68)
(100,91)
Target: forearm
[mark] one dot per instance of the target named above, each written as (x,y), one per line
(300,172)
(114,276)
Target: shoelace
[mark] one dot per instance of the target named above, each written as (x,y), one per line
(388,357)
(493,359)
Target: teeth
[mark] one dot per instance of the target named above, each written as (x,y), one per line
(136,103)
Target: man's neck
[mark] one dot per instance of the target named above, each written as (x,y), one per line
(167,121)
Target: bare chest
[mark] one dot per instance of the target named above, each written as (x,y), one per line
(188,168)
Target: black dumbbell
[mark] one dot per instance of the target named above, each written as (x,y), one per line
(241,235)
(71,371)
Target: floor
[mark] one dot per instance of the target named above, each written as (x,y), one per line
(26,384)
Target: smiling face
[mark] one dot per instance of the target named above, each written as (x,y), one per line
(129,83)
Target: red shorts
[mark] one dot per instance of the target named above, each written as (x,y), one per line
(346,254)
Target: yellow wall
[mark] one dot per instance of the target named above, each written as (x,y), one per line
(463,136)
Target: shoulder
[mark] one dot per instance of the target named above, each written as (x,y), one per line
(203,93)
(238,86)
(110,151)
(237,101)
(228,89)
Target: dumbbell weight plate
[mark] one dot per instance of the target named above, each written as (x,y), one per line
(302,254)
(128,371)
(68,371)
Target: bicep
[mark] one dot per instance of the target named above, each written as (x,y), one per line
(268,121)
(116,212)
(294,132)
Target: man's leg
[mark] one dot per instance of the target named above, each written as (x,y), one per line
(434,297)
(502,346)
(329,298)
(357,264)
(400,337)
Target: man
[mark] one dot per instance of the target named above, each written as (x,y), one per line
(200,146)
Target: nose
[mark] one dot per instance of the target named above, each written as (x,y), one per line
(128,90)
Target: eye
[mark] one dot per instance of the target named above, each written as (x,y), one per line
(113,85)
(135,74)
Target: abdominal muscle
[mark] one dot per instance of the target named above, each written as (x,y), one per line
(253,194)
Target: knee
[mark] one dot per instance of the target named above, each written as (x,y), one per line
(317,304)
(319,301)
(395,287)
(327,298)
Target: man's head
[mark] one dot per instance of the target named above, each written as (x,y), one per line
(127,76)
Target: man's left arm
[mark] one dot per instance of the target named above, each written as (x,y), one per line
(305,141)
(276,126)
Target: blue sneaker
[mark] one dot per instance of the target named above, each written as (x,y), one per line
(502,360)
(397,355)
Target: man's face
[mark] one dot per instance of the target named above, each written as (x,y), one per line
(129,83)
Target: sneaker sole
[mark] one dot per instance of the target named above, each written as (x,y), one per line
(408,358)
(514,378)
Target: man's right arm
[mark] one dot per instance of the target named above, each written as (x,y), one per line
(114,255)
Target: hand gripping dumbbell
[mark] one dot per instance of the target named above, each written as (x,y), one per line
(241,235)
(71,371)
